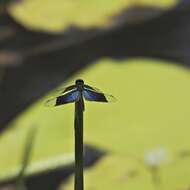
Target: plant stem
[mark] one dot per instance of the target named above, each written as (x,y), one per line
(20,182)
(79,181)
(156,178)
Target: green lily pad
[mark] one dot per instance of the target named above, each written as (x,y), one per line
(111,172)
(122,172)
(152,107)
(59,15)
(53,143)
(152,111)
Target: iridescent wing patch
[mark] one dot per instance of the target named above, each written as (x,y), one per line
(68,97)
(91,95)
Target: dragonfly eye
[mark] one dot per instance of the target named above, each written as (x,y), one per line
(79,82)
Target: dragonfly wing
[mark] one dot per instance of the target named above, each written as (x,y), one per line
(61,91)
(91,95)
(87,87)
(69,97)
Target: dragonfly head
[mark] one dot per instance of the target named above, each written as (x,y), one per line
(79,83)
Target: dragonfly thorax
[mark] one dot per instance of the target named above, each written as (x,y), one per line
(80,84)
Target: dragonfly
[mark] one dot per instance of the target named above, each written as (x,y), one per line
(76,92)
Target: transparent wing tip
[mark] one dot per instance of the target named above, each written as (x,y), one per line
(50,102)
(110,98)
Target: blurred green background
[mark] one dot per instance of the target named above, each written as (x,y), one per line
(145,134)
(58,15)
(152,112)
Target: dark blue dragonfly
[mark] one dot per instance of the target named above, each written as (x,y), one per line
(77,92)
